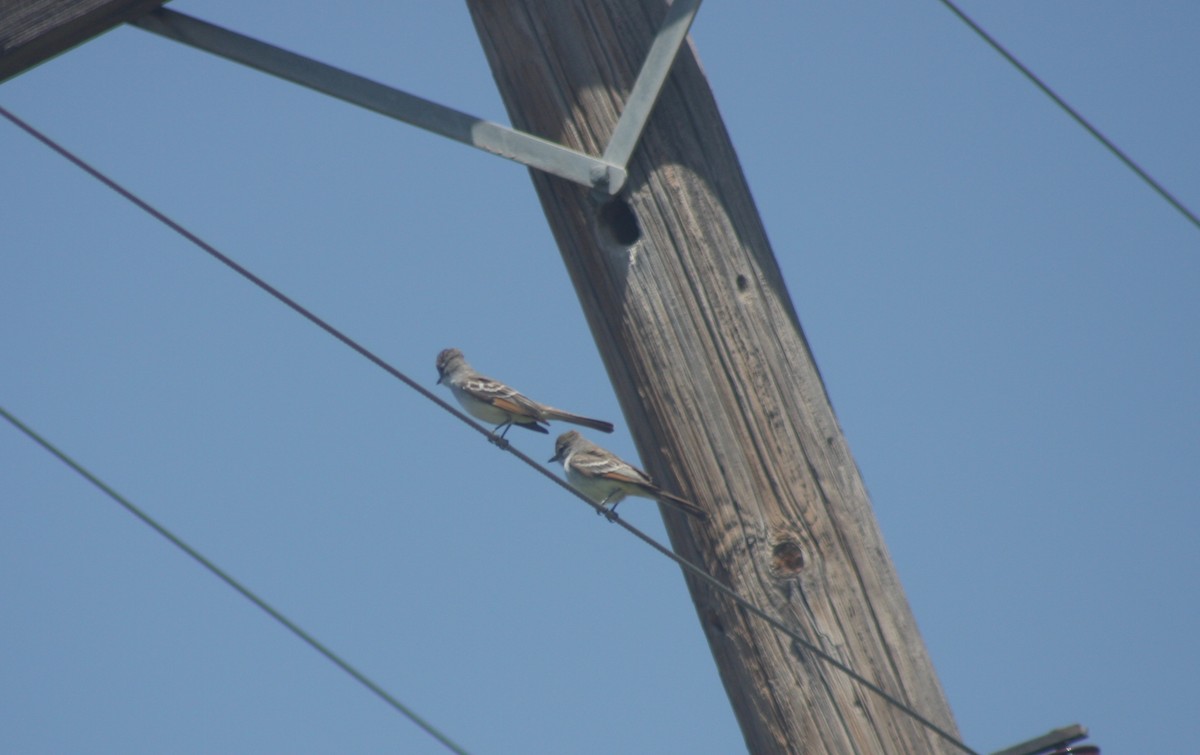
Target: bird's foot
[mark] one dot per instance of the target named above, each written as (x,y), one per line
(499,441)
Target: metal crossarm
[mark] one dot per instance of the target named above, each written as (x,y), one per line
(394,103)
(606,174)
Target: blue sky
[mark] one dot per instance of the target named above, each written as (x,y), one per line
(1005,318)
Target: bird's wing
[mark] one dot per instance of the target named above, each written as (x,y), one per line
(608,467)
(503,397)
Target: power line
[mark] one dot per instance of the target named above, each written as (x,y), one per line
(504,445)
(1095,132)
(235,266)
(228,579)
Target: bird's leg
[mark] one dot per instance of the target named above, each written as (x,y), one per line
(499,440)
(609,512)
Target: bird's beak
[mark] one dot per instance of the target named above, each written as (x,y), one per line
(439,380)
(555,457)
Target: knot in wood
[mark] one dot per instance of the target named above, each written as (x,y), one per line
(787,559)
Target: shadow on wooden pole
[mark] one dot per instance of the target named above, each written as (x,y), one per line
(705,351)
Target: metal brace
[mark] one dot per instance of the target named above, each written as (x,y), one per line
(1060,741)
(605,174)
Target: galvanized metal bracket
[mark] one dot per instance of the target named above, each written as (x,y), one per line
(1059,740)
(606,174)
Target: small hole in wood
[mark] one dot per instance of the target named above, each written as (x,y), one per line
(786,558)
(619,223)
(742,283)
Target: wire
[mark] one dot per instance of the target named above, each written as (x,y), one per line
(504,445)
(793,634)
(1095,132)
(235,584)
(236,267)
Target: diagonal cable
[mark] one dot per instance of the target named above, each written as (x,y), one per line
(503,444)
(228,579)
(1095,132)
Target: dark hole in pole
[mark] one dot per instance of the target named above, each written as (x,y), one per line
(619,222)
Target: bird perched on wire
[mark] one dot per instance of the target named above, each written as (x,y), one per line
(496,403)
(606,479)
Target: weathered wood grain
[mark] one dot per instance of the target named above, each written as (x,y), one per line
(32,31)
(707,356)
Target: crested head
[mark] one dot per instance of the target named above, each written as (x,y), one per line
(564,443)
(447,361)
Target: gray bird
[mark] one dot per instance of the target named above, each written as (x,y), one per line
(496,403)
(605,478)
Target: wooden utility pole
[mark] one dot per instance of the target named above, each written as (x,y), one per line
(699,336)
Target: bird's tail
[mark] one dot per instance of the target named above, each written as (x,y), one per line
(686,507)
(575,419)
